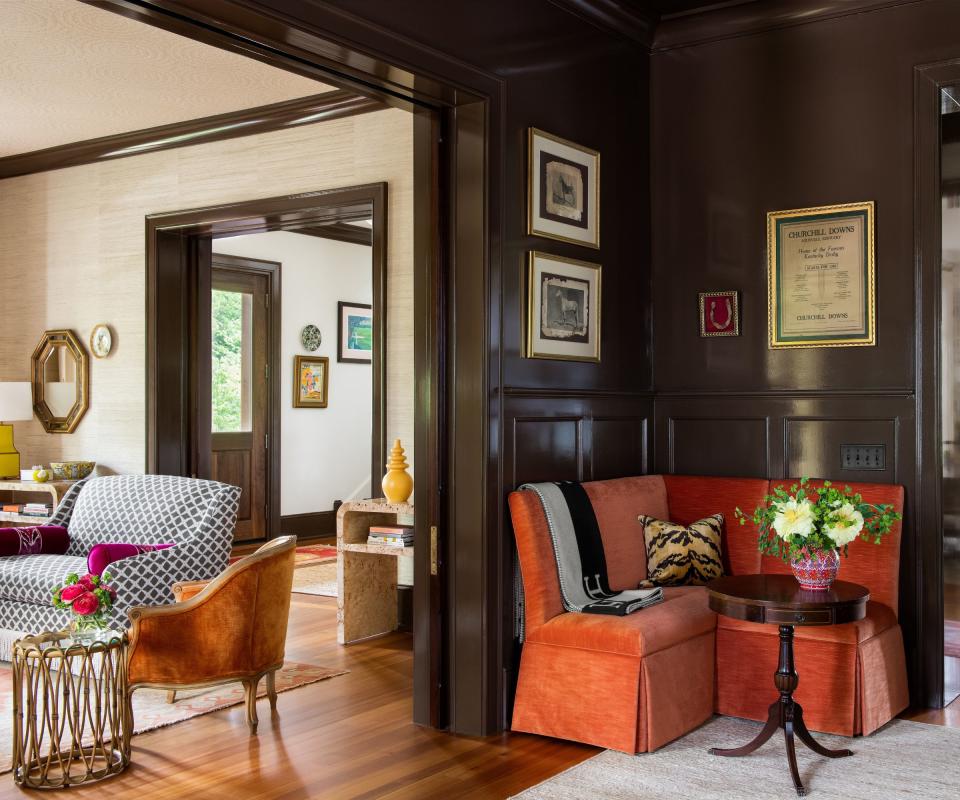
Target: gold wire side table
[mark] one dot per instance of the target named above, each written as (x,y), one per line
(71,722)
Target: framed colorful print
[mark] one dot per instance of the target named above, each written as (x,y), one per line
(311,377)
(719,314)
(563,308)
(563,190)
(354,333)
(821,276)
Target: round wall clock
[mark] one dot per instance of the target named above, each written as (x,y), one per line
(101,340)
(310,338)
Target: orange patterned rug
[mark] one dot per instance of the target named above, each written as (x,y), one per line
(308,555)
(151,709)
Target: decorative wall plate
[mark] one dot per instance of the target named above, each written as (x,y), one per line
(310,338)
(101,340)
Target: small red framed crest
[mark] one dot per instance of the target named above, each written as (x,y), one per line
(719,313)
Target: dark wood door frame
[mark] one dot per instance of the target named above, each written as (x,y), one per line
(178,414)
(926,514)
(272,270)
(457,246)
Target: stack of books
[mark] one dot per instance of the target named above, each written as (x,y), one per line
(391,535)
(12,508)
(36,510)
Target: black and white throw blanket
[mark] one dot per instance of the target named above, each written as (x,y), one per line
(581,563)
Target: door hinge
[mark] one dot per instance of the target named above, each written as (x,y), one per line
(266,441)
(266,300)
(266,373)
(434,570)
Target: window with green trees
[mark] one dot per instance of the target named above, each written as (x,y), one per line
(230,360)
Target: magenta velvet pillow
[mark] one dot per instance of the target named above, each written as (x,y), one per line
(48,539)
(102,555)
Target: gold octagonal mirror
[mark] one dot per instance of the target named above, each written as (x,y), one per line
(61,389)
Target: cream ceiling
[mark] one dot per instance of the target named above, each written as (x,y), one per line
(69,72)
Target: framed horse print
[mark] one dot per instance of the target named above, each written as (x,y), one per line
(563,308)
(563,190)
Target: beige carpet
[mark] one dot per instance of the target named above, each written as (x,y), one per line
(902,761)
(151,709)
(320,579)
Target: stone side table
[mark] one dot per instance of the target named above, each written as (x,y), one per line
(71,717)
(367,573)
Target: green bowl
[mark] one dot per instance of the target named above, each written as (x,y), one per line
(71,470)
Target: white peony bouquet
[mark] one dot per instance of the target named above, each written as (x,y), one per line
(806,520)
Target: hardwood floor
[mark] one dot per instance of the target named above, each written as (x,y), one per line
(347,737)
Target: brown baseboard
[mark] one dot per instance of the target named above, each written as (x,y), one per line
(315,525)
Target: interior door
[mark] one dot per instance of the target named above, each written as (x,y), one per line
(239,399)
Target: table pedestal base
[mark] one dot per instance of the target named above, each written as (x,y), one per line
(787,714)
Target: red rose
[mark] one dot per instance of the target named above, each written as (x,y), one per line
(70,593)
(86,582)
(86,604)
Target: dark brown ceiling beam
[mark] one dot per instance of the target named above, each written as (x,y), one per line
(246,122)
(726,22)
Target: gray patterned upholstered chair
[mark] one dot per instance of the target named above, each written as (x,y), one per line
(197,516)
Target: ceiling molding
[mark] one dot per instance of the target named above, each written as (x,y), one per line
(249,121)
(612,16)
(686,30)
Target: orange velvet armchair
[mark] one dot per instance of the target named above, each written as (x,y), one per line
(232,628)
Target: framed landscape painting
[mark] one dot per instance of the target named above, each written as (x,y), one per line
(354,333)
(563,190)
(311,377)
(563,308)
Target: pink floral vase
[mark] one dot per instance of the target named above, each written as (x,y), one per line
(818,570)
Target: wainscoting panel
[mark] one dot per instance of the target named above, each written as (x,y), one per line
(720,446)
(570,435)
(547,449)
(619,447)
(813,448)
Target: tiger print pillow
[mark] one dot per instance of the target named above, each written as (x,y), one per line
(680,555)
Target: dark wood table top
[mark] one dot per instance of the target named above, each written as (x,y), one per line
(778,599)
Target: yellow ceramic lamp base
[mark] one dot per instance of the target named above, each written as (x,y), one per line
(397,483)
(9,457)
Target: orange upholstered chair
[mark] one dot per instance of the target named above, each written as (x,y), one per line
(629,683)
(230,629)
(853,677)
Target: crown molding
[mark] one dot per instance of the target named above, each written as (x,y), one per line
(611,16)
(686,30)
(246,122)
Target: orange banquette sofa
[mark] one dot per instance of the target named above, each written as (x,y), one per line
(637,682)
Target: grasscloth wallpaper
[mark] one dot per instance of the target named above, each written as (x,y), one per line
(72,247)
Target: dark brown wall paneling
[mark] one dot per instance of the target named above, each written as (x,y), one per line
(731,446)
(788,117)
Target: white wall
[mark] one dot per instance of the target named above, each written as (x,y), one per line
(324,452)
(72,255)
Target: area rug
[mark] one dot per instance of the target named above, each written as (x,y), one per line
(317,579)
(151,709)
(902,760)
(306,555)
(951,638)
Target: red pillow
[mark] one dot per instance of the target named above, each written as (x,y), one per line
(102,555)
(48,539)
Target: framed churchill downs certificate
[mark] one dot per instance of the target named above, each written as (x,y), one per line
(821,281)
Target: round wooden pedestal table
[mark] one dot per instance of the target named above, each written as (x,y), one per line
(71,718)
(779,600)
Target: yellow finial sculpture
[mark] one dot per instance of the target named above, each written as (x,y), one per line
(397,483)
